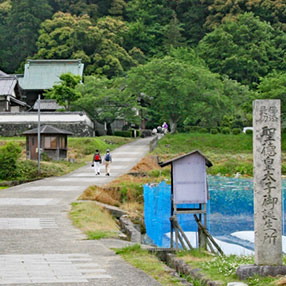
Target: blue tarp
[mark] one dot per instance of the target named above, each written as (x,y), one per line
(230,208)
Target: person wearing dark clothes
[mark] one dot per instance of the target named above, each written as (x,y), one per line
(107,162)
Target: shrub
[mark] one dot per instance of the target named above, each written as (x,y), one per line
(214,131)
(196,129)
(225,130)
(236,131)
(249,132)
(9,154)
(146,133)
(187,129)
(203,130)
(124,133)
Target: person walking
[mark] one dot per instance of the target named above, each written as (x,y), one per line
(107,162)
(165,127)
(96,162)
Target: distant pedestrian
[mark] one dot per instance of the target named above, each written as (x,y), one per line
(165,128)
(154,131)
(107,162)
(96,162)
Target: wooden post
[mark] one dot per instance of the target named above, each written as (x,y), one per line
(202,236)
(208,235)
(180,231)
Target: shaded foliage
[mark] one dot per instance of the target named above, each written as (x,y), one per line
(105,101)
(21,31)
(99,45)
(9,154)
(245,50)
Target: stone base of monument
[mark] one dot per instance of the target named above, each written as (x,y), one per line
(246,271)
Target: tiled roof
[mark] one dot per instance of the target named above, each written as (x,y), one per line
(208,162)
(47,129)
(44,74)
(47,104)
(7,85)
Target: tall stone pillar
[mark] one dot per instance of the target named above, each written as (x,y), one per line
(267,182)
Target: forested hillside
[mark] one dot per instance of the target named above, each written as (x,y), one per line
(222,52)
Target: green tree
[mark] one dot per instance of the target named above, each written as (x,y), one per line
(104,101)
(99,45)
(9,154)
(240,102)
(76,7)
(21,31)
(5,9)
(180,89)
(173,34)
(220,11)
(147,20)
(117,8)
(245,50)
(65,93)
(192,15)
(273,86)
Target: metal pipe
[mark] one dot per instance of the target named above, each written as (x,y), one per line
(39,134)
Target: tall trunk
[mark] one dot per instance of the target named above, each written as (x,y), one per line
(143,124)
(173,125)
(94,128)
(109,129)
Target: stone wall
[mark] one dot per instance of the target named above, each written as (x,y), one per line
(16,129)
(14,124)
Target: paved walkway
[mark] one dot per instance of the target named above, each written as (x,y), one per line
(38,243)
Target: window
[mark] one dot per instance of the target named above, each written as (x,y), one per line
(62,140)
(50,142)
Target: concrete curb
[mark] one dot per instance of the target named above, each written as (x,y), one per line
(128,228)
(182,267)
(246,271)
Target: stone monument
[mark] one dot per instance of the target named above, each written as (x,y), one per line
(267,191)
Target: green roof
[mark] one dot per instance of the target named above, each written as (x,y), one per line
(44,74)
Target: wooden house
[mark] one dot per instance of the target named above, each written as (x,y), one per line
(10,95)
(53,142)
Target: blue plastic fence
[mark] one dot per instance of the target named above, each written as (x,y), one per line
(230,208)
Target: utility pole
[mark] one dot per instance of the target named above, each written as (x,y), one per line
(39,134)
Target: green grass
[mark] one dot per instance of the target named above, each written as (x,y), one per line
(222,268)
(230,154)
(97,234)
(16,138)
(216,143)
(148,263)
(93,220)
(88,145)
(80,150)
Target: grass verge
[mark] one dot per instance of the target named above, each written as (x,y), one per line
(230,154)
(148,263)
(93,220)
(80,151)
(218,268)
